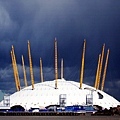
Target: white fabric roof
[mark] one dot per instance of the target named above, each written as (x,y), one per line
(45,94)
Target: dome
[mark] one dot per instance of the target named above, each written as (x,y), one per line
(67,93)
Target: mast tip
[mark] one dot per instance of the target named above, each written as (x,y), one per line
(55,39)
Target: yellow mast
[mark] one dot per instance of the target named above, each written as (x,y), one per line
(100,70)
(15,69)
(61,68)
(16,82)
(24,72)
(41,71)
(56,64)
(98,67)
(31,69)
(105,69)
(82,67)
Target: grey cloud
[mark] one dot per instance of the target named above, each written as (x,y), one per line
(7,25)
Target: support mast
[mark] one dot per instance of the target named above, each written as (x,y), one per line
(105,70)
(61,68)
(31,69)
(56,64)
(15,69)
(100,70)
(82,66)
(24,72)
(97,72)
(41,70)
(13,64)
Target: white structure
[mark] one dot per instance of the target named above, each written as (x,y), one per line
(68,93)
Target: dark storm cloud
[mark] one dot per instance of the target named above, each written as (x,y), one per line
(70,21)
(40,21)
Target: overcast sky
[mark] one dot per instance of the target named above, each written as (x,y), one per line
(70,21)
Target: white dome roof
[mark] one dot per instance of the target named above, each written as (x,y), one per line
(45,94)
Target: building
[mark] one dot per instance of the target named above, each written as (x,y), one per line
(67,93)
(59,91)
